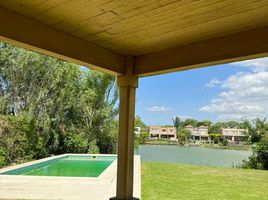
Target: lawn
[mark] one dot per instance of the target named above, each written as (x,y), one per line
(189,182)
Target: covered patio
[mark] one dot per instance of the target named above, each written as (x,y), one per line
(132,39)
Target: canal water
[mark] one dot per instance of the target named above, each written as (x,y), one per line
(191,155)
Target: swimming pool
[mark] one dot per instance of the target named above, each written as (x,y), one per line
(69,165)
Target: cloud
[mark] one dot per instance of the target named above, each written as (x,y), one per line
(244,95)
(157,109)
(213,83)
(257,65)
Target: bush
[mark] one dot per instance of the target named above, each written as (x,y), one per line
(259,159)
(224,142)
(16,139)
(184,136)
(93,148)
(75,143)
(217,138)
(143,137)
(2,157)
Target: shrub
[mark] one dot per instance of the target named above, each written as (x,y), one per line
(16,139)
(183,136)
(143,137)
(75,143)
(259,159)
(216,138)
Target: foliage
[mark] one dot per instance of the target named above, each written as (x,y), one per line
(143,137)
(215,128)
(256,129)
(216,138)
(141,124)
(184,136)
(190,121)
(17,141)
(259,158)
(75,142)
(61,107)
(177,123)
(204,123)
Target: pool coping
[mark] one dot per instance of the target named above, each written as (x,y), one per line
(14,186)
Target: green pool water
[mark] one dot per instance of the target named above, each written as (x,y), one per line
(74,166)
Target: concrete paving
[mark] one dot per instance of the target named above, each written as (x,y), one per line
(48,188)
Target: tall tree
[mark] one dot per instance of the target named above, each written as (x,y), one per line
(191,122)
(204,123)
(256,129)
(73,110)
(177,123)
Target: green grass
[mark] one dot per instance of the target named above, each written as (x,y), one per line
(159,141)
(188,182)
(229,147)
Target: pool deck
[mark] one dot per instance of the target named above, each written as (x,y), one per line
(49,187)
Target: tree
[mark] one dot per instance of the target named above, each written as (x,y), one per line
(259,159)
(177,123)
(232,124)
(140,123)
(71,110)
(204,123)
(190,121)
(17,141)
(217,138)
(144,136)
(215,128)
(256,129)
(257,132)
(184,136)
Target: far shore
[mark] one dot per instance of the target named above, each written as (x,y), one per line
(206,145)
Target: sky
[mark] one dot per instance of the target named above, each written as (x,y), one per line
(225,92)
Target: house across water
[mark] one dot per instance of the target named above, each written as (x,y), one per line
(233,134)
(162,132)
(198,133)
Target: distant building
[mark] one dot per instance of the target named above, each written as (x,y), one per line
(198,133)
(162,132)
(137,130)
(233,134)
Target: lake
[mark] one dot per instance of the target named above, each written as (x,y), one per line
(191,155)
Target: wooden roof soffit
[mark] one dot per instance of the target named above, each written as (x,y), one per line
(34,35)
(235,47)
(27,33)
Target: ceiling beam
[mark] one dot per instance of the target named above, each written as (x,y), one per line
(240,46)
(27,33)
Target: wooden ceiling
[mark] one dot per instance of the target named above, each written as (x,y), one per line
(142,27)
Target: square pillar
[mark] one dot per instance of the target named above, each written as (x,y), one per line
(127,84)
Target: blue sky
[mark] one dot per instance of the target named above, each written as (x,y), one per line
(218,93)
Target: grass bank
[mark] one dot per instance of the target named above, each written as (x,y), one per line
(188,182)
(229,147)
(158,142)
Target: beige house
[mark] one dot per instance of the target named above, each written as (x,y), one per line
(233,134)
(162,132)
(198,133)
